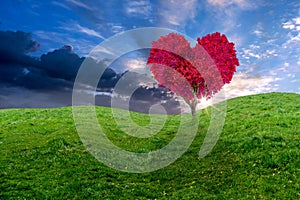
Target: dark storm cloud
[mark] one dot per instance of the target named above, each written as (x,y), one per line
(27,81)
(16,66)
(64,64)
(15,45)
(144,98)
(19,97)
(61,63)
(30,77)
(56,69)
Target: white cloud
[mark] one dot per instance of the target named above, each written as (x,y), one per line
(297,20)
(291,48)
(242,85)
(247,53)
(259,30)
(293,24)
(271,41)
(48,35)
(254,51)
(138,8)
(244,4)
(80,4)
(88,31)
(138,65)
(253,46)
(288,25)
(273,72)
(135,65)
(102,50)
(117,28)
(286,64)
(177,12)
(75,27)
(228,12)
(57,3)
(291,75)
(283,69)
(81,46)
(296,38)
(269,53)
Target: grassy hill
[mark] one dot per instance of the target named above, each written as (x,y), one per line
(256,157)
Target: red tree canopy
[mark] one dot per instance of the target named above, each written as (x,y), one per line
(195,72)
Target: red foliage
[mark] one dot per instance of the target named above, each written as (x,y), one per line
(195,72)
(222,52)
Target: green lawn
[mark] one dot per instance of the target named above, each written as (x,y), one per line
(256,157)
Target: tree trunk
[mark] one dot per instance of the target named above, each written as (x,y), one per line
(193,107)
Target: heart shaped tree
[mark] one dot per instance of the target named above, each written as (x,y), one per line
(193,73)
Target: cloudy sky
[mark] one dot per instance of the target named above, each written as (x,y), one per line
(266,36)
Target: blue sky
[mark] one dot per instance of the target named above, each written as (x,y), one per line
(266,33)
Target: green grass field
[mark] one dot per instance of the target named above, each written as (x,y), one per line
(256,157)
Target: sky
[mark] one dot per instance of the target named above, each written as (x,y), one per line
(37,35)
